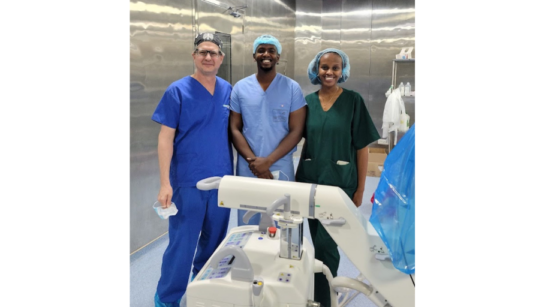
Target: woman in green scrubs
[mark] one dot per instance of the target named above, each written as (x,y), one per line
(337,131)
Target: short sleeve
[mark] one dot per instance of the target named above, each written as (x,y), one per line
(297,99)
(308,101)
(168,111)
(234,102)
(363,128)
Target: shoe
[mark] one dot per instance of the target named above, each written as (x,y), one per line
(158,302)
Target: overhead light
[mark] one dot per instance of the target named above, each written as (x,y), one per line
(233,10)
(212,2)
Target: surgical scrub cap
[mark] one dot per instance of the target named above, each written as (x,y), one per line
(313,66)
(208,37)
(268,39)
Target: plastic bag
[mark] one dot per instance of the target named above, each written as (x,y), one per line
(404,119)
(391,117)
(393,215)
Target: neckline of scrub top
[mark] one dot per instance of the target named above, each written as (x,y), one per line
(205,89)
(273,81)
(334,103)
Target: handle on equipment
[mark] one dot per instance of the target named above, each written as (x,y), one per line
(209,183)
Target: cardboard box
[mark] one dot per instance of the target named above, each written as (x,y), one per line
(375,163)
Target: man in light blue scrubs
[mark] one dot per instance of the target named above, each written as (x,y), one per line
(267,119)
(193,145)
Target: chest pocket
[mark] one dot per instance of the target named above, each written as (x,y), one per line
(279,115)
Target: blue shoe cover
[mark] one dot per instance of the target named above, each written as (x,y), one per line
(158,302)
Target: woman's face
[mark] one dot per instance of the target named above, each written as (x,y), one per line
(330,69)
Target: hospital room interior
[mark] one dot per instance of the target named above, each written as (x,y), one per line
(379,39)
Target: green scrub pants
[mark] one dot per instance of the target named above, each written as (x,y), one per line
(326,251)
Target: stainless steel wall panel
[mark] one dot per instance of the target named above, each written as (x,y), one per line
(331,23)
(160,53)
(308,40)
(237,54)
(355,35)
(237,45)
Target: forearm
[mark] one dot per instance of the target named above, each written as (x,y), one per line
(362,159)
(165,149)
(295,134)
(286,145)
(238,139)
(241,145)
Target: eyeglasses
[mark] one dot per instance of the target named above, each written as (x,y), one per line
(204,53)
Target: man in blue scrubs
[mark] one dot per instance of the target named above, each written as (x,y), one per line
(267,119)
(193,145)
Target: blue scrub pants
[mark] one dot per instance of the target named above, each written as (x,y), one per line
(198,213)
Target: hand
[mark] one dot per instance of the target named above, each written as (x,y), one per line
(266,175)
(259,165)
(165,196)
(357,198)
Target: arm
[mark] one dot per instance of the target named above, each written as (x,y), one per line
(239,141)
(361,166)
(297,118)
(165,149)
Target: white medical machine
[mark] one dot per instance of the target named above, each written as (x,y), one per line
(257,266)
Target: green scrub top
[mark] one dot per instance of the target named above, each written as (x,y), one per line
(332,139)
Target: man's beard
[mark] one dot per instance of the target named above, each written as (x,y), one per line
(267,69)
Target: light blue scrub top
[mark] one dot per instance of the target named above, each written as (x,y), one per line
(265,116)
(201,143)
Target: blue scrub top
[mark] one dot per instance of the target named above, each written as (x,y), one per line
(201,144)
(265,116)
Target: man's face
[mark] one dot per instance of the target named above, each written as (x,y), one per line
(266,56)
(207,58)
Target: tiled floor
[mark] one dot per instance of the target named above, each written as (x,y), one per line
(146,263)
